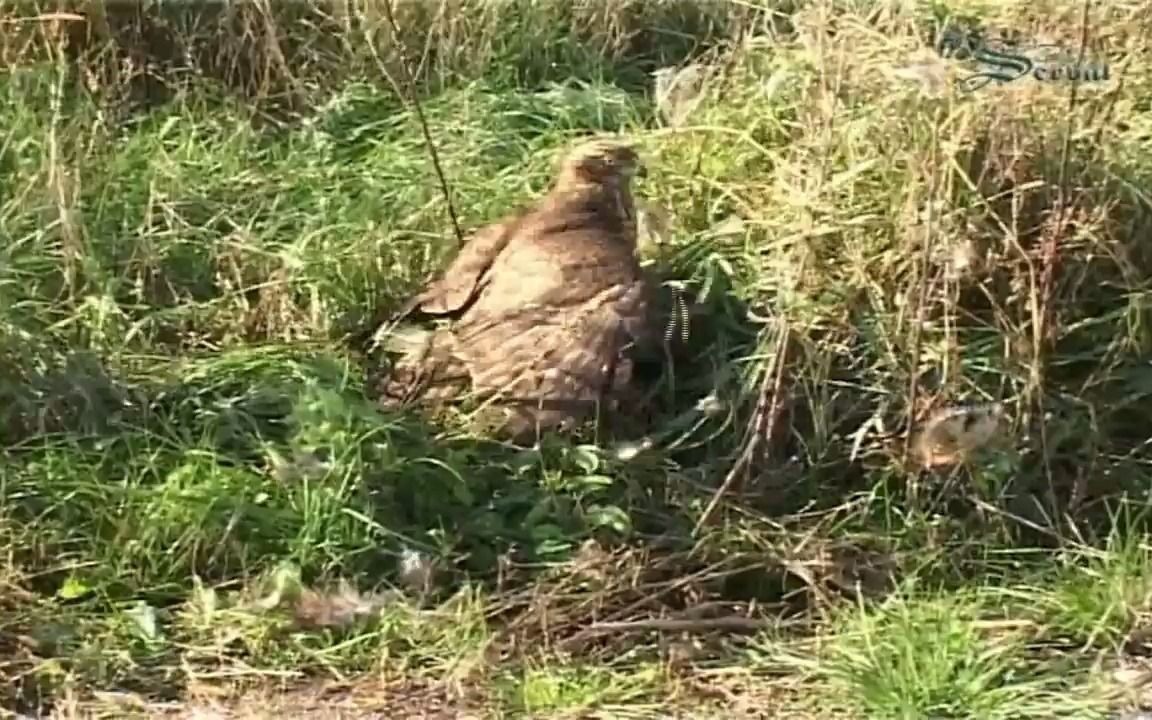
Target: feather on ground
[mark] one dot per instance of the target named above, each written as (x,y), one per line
(545,305)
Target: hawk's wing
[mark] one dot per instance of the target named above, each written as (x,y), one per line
(563,256)
(465,276)
(428,371)
(543,367)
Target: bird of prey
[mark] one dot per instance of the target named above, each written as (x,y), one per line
(546,306)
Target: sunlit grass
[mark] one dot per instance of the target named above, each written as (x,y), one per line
(184,425)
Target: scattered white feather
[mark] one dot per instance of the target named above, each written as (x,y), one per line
(679,91)
(407,340)
(302,466)
(952,434)
(628,450)
(931,73)
(340,608)
(652,224)
(416,570)
(710,405)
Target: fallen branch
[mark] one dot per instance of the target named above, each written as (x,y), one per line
(731,623)
(734,622)
(46,17)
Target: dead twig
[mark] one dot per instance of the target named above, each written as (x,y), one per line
(407,93)
(1043,332)
(763,424)
(730,623)
(46,17)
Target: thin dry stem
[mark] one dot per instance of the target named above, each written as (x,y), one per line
(408,93)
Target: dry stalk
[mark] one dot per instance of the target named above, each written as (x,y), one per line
(1049,254)
(923,292)
(62,185)
(407,92)
(44,17)
(763,425)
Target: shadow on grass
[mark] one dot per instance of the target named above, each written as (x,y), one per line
(257,456)
(212,472)
(127,482)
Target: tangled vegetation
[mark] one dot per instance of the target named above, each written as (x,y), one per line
(202,216)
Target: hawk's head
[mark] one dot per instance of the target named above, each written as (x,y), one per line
(601,162)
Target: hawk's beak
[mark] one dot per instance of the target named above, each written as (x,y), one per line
(641,171)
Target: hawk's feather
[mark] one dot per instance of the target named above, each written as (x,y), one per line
(546,304)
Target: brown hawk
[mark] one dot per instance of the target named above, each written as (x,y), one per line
(546,305)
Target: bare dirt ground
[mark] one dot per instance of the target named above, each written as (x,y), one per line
(705,696)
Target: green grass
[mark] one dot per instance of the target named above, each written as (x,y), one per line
(190,468)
